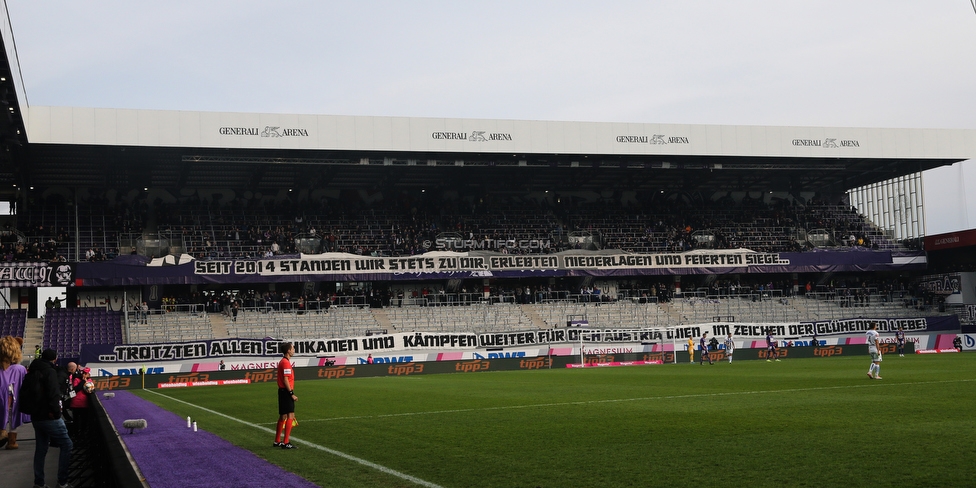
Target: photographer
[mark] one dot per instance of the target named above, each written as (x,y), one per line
(82,387)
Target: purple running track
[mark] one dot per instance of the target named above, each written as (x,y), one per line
(170,455)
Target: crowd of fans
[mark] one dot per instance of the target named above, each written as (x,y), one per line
(262,228)
(845,290)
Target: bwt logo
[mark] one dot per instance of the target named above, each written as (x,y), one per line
(265,376)
(134,371)
(501,355)
(472,366)
(114,383)
(390,359)
(828,351)
(333,373)
(405,369)
(538,363)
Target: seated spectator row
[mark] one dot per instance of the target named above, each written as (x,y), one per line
(401,226)
(66,329)
(13,322)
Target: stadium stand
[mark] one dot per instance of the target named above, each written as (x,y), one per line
(67,329)
(251,228)
(13,322)
(162,326)
(338,321)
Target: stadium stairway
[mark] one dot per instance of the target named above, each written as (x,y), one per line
(33,335)
(532,313)
(674,315)
(797,303)
(382,319)
(218,324)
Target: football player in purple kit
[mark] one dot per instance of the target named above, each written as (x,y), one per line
(771,351)
(703,345)
(900,341)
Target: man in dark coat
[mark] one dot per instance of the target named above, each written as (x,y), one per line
(49,428)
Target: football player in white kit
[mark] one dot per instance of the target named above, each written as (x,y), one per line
(874,349)
(729,347)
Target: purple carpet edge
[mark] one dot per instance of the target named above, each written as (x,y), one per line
(170,455)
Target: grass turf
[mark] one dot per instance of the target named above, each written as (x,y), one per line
(799,422)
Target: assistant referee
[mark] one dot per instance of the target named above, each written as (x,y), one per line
(286,397)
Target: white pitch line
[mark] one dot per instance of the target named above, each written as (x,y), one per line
(380,468)
(637,399)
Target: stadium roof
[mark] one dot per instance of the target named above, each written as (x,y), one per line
(96,148)
(119,149)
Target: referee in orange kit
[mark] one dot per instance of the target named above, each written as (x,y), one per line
(286,397)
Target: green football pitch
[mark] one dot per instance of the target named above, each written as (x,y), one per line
(798,422)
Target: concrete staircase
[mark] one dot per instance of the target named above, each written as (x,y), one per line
(33,335)
(798,304)
(218,323)
(532,313)
(676,317)
(382,319)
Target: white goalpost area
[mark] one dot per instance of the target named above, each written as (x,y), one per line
(660,336)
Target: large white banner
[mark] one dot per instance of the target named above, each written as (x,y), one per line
(445,261)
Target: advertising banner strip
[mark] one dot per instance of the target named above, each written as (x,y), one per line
(187,384)
(614,363)
(935,351)
(460,341)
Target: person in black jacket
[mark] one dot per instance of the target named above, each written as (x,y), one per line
(49,428)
